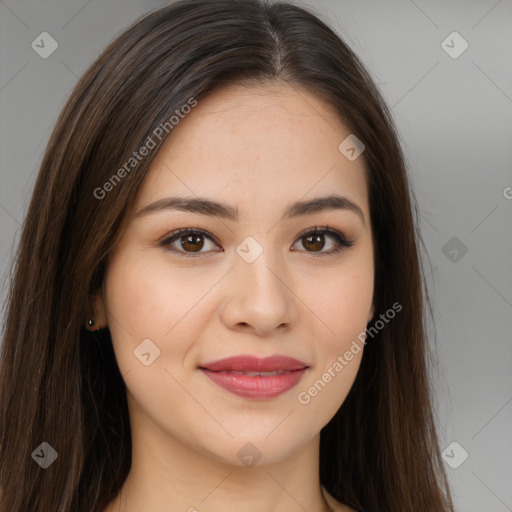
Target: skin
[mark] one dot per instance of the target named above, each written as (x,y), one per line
(257,148)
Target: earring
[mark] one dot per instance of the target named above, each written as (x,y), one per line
(91,323)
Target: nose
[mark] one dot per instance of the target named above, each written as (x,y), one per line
(259,297)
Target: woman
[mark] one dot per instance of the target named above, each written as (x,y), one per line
(218,299)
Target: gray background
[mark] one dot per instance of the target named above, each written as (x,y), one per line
(454,116)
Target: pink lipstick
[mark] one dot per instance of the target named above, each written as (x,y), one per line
(252,377)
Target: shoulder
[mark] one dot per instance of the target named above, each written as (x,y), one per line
(336,505)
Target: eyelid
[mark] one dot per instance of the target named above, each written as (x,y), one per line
(166,241)
(342,242)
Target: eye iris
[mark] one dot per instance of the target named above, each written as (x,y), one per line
(196,241)
(314,240)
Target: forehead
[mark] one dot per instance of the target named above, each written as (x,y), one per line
(260,143)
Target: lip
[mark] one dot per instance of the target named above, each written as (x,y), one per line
(289,372)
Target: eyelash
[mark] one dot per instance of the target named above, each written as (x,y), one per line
(341,242)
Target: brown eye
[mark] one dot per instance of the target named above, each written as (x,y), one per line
(187,242)
(314,241)
(192,242)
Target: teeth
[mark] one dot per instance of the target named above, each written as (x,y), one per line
(262,374)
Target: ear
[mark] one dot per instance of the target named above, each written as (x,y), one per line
(97,311)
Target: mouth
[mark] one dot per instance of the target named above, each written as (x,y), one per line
(253,377)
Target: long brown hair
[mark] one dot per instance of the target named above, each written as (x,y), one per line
(57,385)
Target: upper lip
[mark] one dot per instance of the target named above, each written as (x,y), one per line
(249,363)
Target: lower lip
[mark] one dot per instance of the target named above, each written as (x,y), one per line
(256,386)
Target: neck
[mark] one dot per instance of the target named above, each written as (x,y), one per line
(167,473)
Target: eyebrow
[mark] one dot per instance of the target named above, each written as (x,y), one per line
(212,208)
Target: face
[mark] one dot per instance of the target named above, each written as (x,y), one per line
(261,284)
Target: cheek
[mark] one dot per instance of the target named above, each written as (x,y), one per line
(342,304)
(338,349)
(149,296)
(323,395)
(149,300)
